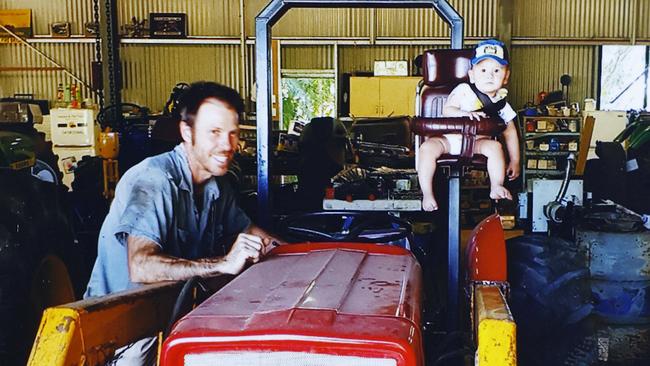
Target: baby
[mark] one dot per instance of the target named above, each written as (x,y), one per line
(489,72)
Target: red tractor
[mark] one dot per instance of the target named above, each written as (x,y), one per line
(345,303)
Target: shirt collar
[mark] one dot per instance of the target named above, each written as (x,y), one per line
(211,188)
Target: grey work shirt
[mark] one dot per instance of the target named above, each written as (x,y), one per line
(154,199)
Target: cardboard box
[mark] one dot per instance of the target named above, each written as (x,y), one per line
(391,68)
(60,30)
(18,21)
(68,158)
(73,127)
(168,25)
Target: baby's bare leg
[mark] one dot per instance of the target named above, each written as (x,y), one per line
(496,167)
(429,152)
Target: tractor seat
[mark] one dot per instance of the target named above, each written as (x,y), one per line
(442,71)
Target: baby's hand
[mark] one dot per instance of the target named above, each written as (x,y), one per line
(476,115)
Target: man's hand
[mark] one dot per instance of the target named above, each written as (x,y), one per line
(271,242)
(476,115)
(513,170)
(247,248)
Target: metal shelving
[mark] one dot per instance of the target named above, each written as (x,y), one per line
(548,141)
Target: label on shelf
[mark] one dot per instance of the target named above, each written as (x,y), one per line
(573,126)
(542,164)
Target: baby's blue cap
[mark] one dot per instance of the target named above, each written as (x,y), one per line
(491,48)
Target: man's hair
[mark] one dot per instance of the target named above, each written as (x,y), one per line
(198,92)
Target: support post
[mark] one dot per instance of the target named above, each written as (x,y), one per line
(453,250)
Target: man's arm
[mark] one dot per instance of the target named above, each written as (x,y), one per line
(512,144)
(147,263)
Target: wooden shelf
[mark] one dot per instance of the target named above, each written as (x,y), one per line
(191,40)
(50,39)
(556,158)
(551,134)
(552,117)
(549,153)
(544,171)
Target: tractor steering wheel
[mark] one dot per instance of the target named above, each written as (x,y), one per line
(346,226)
(121,110)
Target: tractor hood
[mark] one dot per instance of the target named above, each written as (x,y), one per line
(331,303)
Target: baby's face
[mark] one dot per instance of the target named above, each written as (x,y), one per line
(489,76)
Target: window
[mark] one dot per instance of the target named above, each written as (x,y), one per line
(307,94)
(624,83)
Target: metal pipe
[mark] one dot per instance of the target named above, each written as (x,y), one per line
(336,75)
(453,250)
(28,68)
(373,26)
(570,161)
(634,8)
(243,60)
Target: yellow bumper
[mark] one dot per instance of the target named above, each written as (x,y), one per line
(88,332)
(495,328)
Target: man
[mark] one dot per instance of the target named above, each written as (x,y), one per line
(171,210)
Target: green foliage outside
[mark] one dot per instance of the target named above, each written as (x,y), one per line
(306,98)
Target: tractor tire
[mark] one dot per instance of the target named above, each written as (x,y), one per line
(37,257)
(550,301)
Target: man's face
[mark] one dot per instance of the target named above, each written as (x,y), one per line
(213,140)
(489,76)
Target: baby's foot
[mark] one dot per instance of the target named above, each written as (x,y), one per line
(500,192)
(429,203)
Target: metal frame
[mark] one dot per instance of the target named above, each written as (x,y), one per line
(454,173)
(263,23)
(453,249)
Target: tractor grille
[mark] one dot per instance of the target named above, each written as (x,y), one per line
(281,359)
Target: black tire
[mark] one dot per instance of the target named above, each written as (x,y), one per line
(33,226)
(550,301)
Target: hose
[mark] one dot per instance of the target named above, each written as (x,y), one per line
(571,160)
(181,300)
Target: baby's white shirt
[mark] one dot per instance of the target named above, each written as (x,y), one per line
(469,102)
